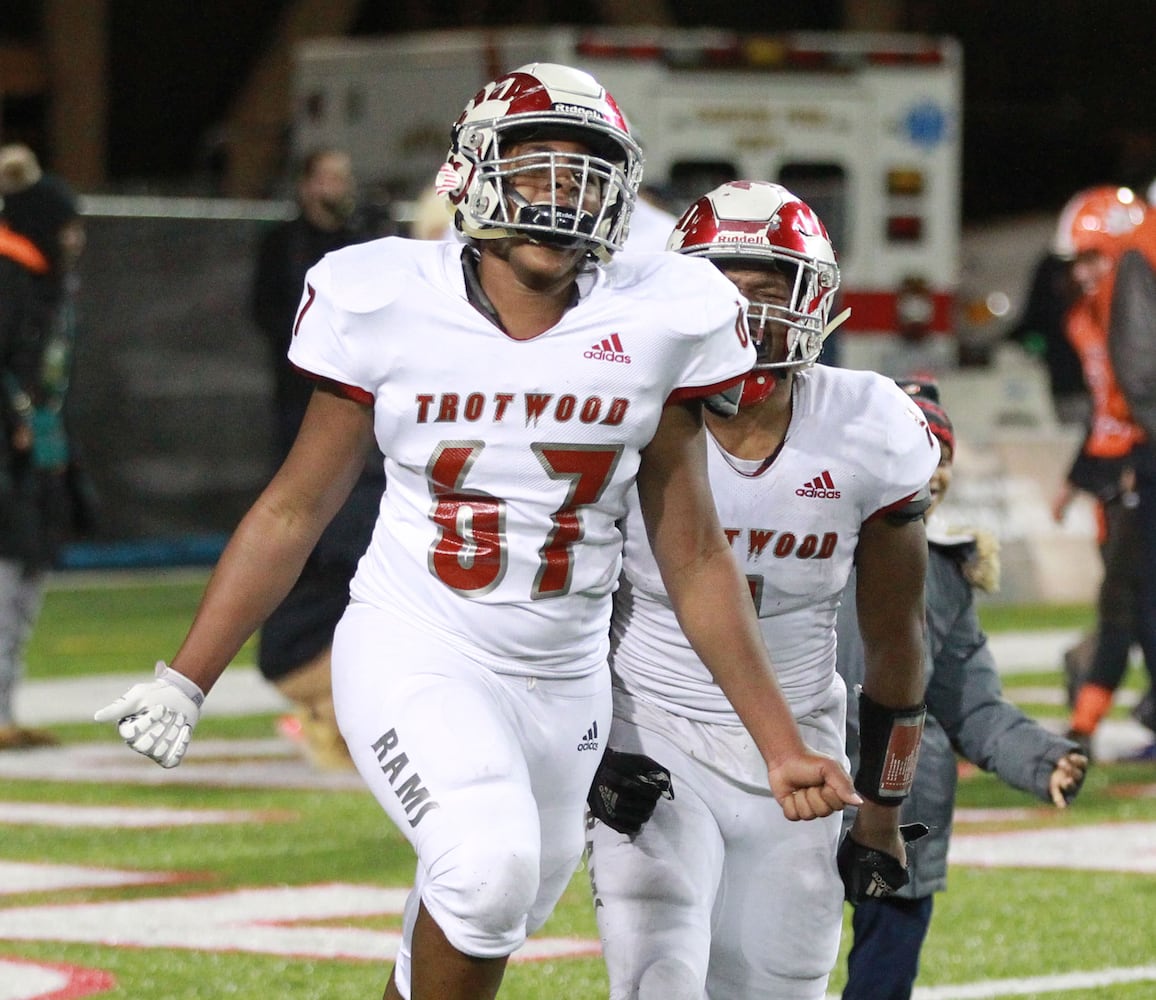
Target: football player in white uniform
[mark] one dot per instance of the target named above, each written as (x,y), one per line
(519,385)
(717,895)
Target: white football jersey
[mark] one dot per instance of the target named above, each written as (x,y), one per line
(650,228)
(856,445)
(508,462)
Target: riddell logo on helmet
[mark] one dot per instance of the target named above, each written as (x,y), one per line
(578,109)
(610,349)
(822,487)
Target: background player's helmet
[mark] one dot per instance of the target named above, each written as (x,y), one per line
(546,101)
(755,223)
(1098,219)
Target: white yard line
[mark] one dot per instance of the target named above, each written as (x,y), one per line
(996,989)
(1063,983)
(242,691)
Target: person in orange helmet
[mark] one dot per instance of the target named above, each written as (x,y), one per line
(1095,228)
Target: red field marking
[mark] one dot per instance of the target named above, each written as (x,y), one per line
(21,979)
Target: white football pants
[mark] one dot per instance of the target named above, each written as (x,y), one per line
(720,895)
(485,774)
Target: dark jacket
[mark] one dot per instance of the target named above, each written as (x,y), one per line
(26,295)
(35,505)
(302,625)
(1040,327)
(1132,337)
(285,252)
(966,712)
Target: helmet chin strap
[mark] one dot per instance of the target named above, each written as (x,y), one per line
(837,322)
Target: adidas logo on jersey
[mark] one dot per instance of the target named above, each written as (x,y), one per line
(822,487)
(610,349)
(590,740)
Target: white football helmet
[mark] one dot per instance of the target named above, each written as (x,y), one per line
(546,101)
(758,222)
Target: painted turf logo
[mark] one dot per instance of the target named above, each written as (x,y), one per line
(822,487)
(590,740)
(610,349)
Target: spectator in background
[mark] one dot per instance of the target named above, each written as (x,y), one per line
(1112,486)
(295,644)
(1131,308)
(966,713)
(41,239)
(326,220)
(1092,234)
(1041,330)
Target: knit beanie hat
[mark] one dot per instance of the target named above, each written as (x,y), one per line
(925,394)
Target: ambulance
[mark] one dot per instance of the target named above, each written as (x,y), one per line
(864,127)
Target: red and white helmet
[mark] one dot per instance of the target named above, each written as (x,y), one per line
(548,101)
(1098,219)
(757,222)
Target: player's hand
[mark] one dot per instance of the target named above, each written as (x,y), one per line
(810,785)
(157,718)
(1067,778)
(626,789)
(868,873)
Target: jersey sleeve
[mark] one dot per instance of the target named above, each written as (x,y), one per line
(909,453)
(320,347)
(710,310)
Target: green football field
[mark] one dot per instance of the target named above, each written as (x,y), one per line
(245,874)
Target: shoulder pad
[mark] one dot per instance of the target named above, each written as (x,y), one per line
(365,277)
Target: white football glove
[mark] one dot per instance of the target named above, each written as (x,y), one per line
(157,718)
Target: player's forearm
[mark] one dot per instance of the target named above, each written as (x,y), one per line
(714,608)
(894,666)
(255,572)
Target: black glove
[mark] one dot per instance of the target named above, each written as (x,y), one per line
(625,790)
(871,874)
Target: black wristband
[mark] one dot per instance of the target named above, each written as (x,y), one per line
(888,750)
